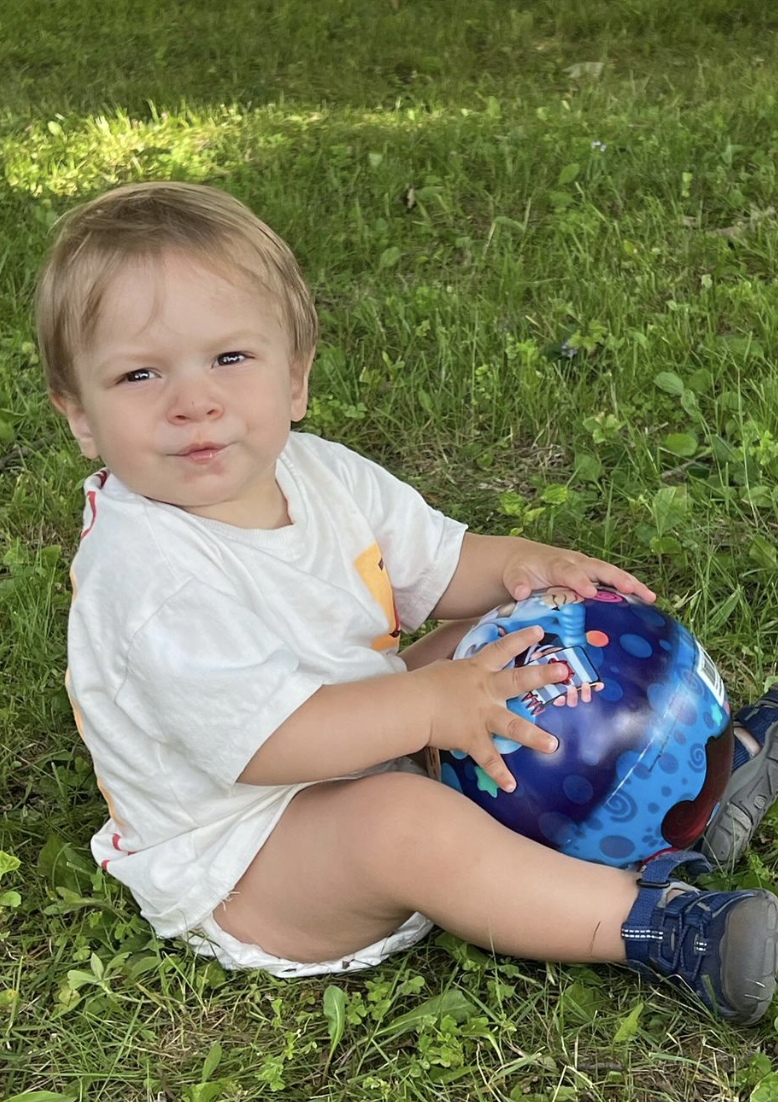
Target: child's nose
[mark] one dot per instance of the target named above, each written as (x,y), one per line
(194,400)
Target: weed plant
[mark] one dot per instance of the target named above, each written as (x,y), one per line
(542,237)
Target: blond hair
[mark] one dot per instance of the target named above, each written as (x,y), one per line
(145,221)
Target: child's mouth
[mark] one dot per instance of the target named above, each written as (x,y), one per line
(202,454)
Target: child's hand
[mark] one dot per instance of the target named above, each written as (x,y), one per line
(467,705)
(536,565)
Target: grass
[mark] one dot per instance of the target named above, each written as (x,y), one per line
(433,166)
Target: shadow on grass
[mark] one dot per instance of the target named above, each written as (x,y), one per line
(63,58)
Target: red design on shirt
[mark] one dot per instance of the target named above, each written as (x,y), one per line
(91,495)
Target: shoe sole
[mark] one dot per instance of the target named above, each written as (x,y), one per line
(749,948)
(743,808)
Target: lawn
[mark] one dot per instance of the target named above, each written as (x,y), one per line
(542,237)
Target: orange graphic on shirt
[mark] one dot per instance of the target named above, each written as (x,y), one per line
(111,809)
(371,569)
(74,706)
(116,839)
(80,728)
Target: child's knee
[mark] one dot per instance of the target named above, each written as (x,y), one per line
(411,812)
(392,807)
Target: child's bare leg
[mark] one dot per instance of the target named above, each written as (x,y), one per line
(350,860)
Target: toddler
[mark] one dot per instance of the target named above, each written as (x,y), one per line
(234,664)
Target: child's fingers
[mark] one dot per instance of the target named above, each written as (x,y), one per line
(497,655)
(518,680)
(509,726)
(639,589)
(487,756)
(576,574)
(620,579)
(512,727)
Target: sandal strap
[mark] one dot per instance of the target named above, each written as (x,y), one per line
(654,879)
(759,716)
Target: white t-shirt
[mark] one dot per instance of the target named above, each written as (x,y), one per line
(190,641)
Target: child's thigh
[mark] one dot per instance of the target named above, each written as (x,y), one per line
(319,887)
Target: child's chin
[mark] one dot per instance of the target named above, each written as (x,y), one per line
(189,505)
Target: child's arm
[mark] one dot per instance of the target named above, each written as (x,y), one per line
(441,642)
(492,569)
(348,727)
(448,705)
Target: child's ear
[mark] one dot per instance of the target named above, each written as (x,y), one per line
(79,426)
(301,370)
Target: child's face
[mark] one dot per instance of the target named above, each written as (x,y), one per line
(184,359)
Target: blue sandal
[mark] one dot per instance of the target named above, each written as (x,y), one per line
(721,945)
(752,787)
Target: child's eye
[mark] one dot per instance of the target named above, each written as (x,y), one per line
(224,359)
(137,376)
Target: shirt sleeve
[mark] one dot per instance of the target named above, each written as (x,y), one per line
(420,545)
(211,679)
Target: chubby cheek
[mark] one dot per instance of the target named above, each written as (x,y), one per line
(268,414)
(122,440)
